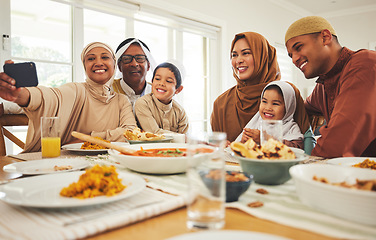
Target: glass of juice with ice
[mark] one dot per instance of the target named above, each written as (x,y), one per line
(50,134)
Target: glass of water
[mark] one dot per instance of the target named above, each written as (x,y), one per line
(206,181)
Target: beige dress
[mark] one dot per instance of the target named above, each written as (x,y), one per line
(157,117)
(81,109)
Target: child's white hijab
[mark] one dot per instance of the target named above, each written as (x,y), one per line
(291,130)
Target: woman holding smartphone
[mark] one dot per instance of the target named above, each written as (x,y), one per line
(90,107)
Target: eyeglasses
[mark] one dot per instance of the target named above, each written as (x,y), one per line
(129,58)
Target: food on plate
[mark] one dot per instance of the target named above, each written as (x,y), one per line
(255,204)
(262,191)
(368,185)
(366,164)
(140,135)
(62,168)
(96,181)
(166,152)
(272,149)
(92,146)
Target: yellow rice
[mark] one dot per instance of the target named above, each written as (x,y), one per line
(97,181)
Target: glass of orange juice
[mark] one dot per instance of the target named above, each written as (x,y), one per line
(50,134)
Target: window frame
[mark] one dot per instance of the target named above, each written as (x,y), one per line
(177,25)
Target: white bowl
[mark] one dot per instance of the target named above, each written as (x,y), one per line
(154,165)
(351,204)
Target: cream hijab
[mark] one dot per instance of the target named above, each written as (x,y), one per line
(101,92)
(291,130)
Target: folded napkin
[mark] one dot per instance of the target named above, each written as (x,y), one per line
(31,223)
(282,205)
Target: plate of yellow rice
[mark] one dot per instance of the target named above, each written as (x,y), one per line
(44,191)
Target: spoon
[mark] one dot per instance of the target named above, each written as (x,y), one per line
(102,143)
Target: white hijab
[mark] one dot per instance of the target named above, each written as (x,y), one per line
(291,130)
(102,92)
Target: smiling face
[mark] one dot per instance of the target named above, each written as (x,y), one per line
(164,85)
(310,54)
(134,73)
(99,65)
(272,106)
(242,59)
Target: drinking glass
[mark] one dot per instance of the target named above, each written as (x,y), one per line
(50,137)
(206,181)
(271,129)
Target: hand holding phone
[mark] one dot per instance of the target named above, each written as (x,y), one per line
(25,74)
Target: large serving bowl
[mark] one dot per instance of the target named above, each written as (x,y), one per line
(153,165)
(351,204)
(270,172)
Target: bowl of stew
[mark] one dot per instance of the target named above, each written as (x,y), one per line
(157,158)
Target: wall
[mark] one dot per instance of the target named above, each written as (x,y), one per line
(268,19)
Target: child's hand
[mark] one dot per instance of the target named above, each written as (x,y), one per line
(251,133)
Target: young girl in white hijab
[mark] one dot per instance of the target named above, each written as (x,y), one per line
(278,102)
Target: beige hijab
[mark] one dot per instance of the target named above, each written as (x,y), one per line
(103,93)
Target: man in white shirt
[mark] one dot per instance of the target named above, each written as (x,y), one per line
(134,61)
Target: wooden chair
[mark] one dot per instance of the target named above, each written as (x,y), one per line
(10,120)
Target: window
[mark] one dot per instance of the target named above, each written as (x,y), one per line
(103,27)
(41,32)
(57,30)
(291,74)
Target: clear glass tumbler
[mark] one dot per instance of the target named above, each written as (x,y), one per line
(206,181)
(271,129)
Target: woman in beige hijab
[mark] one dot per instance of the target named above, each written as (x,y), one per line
(254,64)
(90,107)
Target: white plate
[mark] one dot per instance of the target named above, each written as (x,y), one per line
(351,204)
(153,165)
(167,139)
(227,234)
(76,147)
(45,166)
(44,191)
(348,161)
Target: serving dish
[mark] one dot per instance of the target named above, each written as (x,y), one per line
(167,139)
(76,147)
(270,172)
(43,191)
(46,166)
(154,165)
(351,204)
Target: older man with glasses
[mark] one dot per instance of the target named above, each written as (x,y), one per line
(134,61)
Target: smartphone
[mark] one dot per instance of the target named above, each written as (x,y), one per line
(25,73)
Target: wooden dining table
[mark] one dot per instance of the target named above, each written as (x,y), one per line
(174,223)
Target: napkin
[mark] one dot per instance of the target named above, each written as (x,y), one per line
(31,223)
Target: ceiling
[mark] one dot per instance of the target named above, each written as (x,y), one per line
(327,8)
